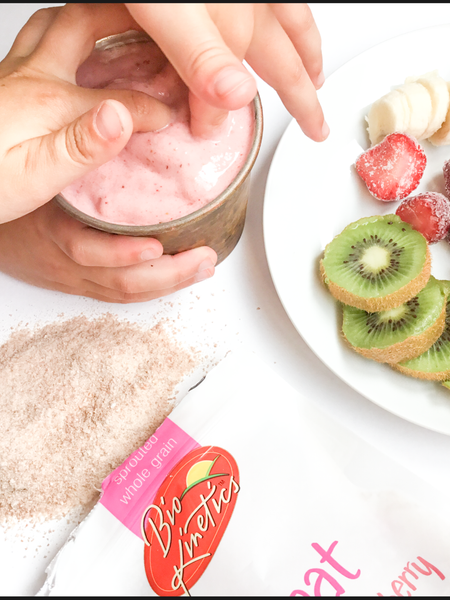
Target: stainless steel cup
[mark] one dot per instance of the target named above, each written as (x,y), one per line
(218,224)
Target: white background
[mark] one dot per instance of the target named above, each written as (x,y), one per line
(239,306)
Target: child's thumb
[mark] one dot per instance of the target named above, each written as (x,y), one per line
(56,160)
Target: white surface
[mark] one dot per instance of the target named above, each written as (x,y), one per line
(326,194)
(239,306)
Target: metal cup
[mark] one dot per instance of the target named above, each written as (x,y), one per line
(219,224)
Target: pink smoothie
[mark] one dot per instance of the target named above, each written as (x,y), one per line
(159,176)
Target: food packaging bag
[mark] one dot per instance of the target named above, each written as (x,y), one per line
(248,489)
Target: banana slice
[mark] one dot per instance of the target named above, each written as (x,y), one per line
(440,98)
(388,114)
(442,135)
(419,101)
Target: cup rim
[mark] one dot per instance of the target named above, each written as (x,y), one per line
(160,228)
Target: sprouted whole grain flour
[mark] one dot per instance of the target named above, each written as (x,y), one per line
(76,398)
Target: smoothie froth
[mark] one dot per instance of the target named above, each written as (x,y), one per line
(164,175)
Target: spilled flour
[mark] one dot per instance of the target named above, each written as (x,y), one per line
(76,398)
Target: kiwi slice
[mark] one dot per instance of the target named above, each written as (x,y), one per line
(434,363)
(376,263)
(399,333)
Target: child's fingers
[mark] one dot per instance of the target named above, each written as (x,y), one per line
(92,248)
(28,252)
(107,295)
(236,29)
(194,46)
(235,23)
(205,118)
(164,273)
(292,82)
(205,47)
(298,22)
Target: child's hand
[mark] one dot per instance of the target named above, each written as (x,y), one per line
(49,249)
(52,131)
(207,43)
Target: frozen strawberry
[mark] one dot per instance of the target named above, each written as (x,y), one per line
(446,170)
(427,213)
(393,168)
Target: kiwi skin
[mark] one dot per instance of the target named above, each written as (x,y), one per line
(440,376)
(413,346)
(399,297)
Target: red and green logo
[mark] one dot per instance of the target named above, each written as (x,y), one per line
(188,518)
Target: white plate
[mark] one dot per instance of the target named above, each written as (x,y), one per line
(313,192)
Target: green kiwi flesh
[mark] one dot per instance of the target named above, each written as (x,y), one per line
(434,364)
(375,256)
(384,329)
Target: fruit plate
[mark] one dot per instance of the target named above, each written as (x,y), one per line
(313,192)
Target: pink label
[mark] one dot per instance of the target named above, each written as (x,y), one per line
(130,489)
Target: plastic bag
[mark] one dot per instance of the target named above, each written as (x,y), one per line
(247,489)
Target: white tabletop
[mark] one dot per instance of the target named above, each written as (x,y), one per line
(239,305)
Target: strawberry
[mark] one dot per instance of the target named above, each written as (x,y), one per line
(446,170)
(427,213)
(393,168)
